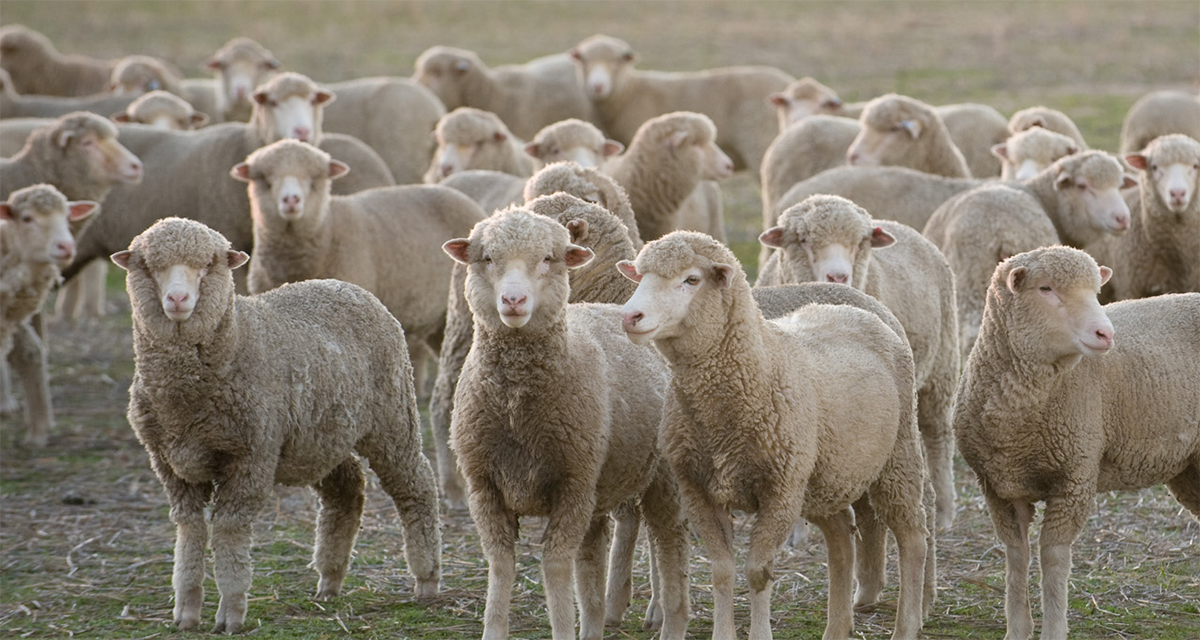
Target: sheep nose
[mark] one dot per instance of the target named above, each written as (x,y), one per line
(630,320)
(65,249)
(852,158)
(838,277)
(291,201)
(240,93)
(447,169)
(514,301)
(302,133)
(1177,195)
(178,298)
(597,88)
(1105,336)
(1122,221)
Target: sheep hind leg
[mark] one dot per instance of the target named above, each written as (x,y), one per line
(590,570)
(406,475)
(669,602)
(342,495)
(870,554)
(838,530)
(1186,487)
(628,518)
(933,421)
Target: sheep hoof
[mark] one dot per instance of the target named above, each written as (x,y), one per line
(426,588)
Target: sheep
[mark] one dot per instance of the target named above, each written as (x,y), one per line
(574,140)
(136,75)
(899,130)
(34,238)
(492,190)
(469,138)
(36,67)
(1025,153)
(163,110)
(801,151)
(1074,201)
(1062,399)
(693,302)
(733,97)
(527,97)
(372,238)
(830,239)
(586,184)
(239,67)
(556,414)
(664,165)
(14,105)
(187,172)
(807,97)
(1160,113)
(1160,253)
(208,387)
(1046,118)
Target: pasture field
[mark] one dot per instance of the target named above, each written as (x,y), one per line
(85,542)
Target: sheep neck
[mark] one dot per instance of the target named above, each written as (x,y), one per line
(297,250)
(517,359)
(655,193)
(1022,383)
(736,347)
(169,352)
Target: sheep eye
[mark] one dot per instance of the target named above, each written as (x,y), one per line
(1044,288)
(487,259)
(692,280)
(1082,186)
(27,218)
(547,259)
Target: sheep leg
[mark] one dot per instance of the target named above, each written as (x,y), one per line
(566,529)
(839,538)
(191,537)
(238,501)
(1064,519)
(342,497)
(1011,520)
(911,540)
(1186,487)
(669,602)
(628,519)
(456,342)
(590,569)
(929,592)
(92,283)
(934,404)
(8,402)
(28,360)
(407,477)
(870,554)
(715,525)
(498,529)
(776,516)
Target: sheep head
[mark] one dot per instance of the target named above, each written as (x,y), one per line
(601,62)
(1171,167)
(38,223)
(289,182)
(826,239)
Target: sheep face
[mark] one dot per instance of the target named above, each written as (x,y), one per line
(884,144)
(803,98)
(826,239)
(239,67)
(1049,299)
(289,181)
(295,116)
(445,71)
(518,264)
(582,144)
(103,158)
(1171,166)
(136,75)
(1026,153)
(662,304)
(601,63)
(38,219)
(1090,191)
(162,110)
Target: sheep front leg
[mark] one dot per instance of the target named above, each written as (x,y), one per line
(839,539)
(342,497)
(565,532)
(628,518)
(715,525)
(1063,520)
(1011,520)
(498,528)
(590,570)
(239,497)
(668,555)
(191,537)
(28,360)
(776,517)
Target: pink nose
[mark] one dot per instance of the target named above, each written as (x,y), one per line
(514,301)
(1122,221)
(1105,336)
(838,277)
(240,93)
(178,298)
(1177,195)
(597,88)
(65,249)
(302,133)
(290,202)
(630,320)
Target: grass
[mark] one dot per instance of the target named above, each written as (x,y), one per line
(85,542)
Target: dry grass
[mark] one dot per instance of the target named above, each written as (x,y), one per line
(85,542)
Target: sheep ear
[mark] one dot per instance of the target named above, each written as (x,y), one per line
(628,270)
(1137,161)
(81,209)
(578,229)
(723,274)
(1105,274)
(629,56)
(457,249)
(577,256)
(120,116)
(212,64)
(1000,150)
(337,169)
(1063,180)
(121,259)
(832,103)
(612,148)
(574,53)
(913,128)
(777,99)
(772,237)
(241,171)
(881,238)
(63,138)
(533,150)
(6,211)
(1129,182)
(323,97)
(199,119)
(499,136)
(271,64)
(235,258)
(1015,278)
(677,138)
(260,97)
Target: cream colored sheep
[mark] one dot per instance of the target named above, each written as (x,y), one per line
(163,110)
(1046,118)
(36,67)
(14,105)
(575,140)
(830,239)
(807,97)
(527,97)
(136,75)
(283,387)
(187,172)
(35,238)
(385,240)
(1063,399)
(1160,253)
(1160,113)
(586,184)
(469,138)
(239,67)
(1025,153)
(694,303)
(733,97)
(899,130)
(664,164)
(801,151)
(556,414)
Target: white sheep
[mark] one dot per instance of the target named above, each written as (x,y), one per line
(575,140)
(1157,114)
(902,131)
(556,414)
(35,238)
(1062,399)
(801,151)
(778,435)
(238,68)
(232,394)
(15,105)
(976,128)
(527,97)
(808,97)
(830,239)
(163,110)
(733,97)
(586,184)
(469,138)
(491,190)
(1025,153)
(1160,253)
(1046,118)
(385,240)
(37,67)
